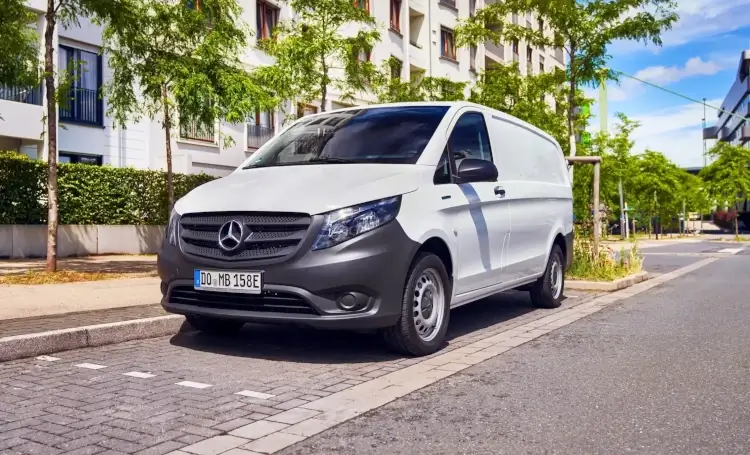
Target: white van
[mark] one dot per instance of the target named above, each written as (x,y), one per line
(381,217)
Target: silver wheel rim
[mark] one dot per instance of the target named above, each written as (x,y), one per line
(428,304)
(556,279)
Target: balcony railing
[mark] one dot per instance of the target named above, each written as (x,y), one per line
(21,94)
(257,135)
(81,105)
(195,131)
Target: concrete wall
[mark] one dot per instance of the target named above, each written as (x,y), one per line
(29,241)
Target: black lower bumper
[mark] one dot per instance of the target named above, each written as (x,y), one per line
(356,285)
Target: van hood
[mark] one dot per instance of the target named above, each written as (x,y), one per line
(311,189)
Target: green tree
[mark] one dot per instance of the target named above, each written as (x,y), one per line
(582,29)
(657,186)
(19,45)
(390,88)
(20,65)
(504,88)
(728,176)
(313,55)
(179,63)
(695,194)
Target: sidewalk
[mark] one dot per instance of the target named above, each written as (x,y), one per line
(27,309)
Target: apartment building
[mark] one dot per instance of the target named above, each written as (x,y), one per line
(419,33)
(735,128)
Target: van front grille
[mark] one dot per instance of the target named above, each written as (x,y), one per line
(254,236)
(267,302)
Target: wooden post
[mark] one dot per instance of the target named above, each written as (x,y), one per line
(597,214)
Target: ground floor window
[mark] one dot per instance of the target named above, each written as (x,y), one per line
(79,158)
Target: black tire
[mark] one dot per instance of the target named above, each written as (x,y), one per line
(215,326)
(403,336)
(542,294)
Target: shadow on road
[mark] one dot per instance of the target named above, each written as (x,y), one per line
(306,345)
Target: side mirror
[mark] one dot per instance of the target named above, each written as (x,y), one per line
(475,170)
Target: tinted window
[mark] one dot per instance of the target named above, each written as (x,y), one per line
(377,135)
(469,139)
(443,171)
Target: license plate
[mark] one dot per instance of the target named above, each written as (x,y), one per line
(224,281)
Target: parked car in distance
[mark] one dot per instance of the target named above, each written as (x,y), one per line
(379,217)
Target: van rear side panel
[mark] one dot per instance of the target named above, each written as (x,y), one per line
(532,169)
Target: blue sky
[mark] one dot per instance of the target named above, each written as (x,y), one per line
(699,58)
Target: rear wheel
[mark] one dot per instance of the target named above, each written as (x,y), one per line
(547,291)
(215,326)
(425,309)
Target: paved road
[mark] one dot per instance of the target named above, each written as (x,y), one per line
(666,371)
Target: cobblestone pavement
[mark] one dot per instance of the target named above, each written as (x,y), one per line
(156,396)
(12,327)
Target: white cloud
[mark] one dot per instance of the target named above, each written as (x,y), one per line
(699,19)
(677,131)
(666,75)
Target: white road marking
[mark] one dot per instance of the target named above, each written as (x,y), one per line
(730,250)
(194,385)
(252,394)
(91,366)
(139,375)
(47,358)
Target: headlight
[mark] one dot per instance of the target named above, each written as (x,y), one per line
(345,224)
(171,231)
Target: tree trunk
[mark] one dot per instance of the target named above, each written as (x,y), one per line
(323,85)
(49,84)
(736,225)
(168,137)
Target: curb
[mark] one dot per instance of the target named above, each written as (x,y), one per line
(607,286)
(34,344)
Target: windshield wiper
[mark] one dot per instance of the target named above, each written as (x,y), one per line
(330,159)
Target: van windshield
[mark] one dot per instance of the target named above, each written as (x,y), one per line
(396,135)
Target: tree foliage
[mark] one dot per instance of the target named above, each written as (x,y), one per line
(390,89)
(181,65)
(314,56)
(728,176)
(583,29)
(19,45)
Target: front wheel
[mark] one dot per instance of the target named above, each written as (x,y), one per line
(547,291)
(215,326)
(425,309)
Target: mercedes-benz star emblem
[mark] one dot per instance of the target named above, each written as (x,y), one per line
(230,235)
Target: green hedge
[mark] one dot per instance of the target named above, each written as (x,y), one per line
(87,194)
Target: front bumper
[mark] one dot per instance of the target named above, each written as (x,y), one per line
(305,288)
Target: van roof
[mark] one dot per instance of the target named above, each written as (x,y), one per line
(457,104)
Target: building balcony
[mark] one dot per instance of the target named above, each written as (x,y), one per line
(195,131)
(495,51)
(744,133)
(417,56)
(258,135)
(418,5)
(21,94)
(21,113)
(712,132)
(82,106)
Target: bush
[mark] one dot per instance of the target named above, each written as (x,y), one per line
(606,266)
(87,194)
(725,219)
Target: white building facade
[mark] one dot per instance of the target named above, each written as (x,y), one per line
(419,33)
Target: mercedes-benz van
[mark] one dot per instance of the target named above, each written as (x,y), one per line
(379,217)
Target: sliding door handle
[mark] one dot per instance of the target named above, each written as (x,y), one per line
(499,191)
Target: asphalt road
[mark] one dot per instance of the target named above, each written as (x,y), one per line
(666,371)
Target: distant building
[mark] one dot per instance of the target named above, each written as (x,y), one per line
(729,128)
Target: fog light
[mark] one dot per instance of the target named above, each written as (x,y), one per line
(351,301)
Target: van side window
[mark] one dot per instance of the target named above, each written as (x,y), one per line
(469,138)
(443,171)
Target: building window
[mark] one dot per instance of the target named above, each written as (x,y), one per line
(473,58)
(529,55)
(79,158)
(195,4)
(303,110)
(514,46)
(81,102)
(541,64)
(362,4)
(448,3)
(364,56)
(515,18)
(472,8)
(267,16)
(195,130)
(260,129)
(541,25)
(447,44)
(396,68)
(396,15)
